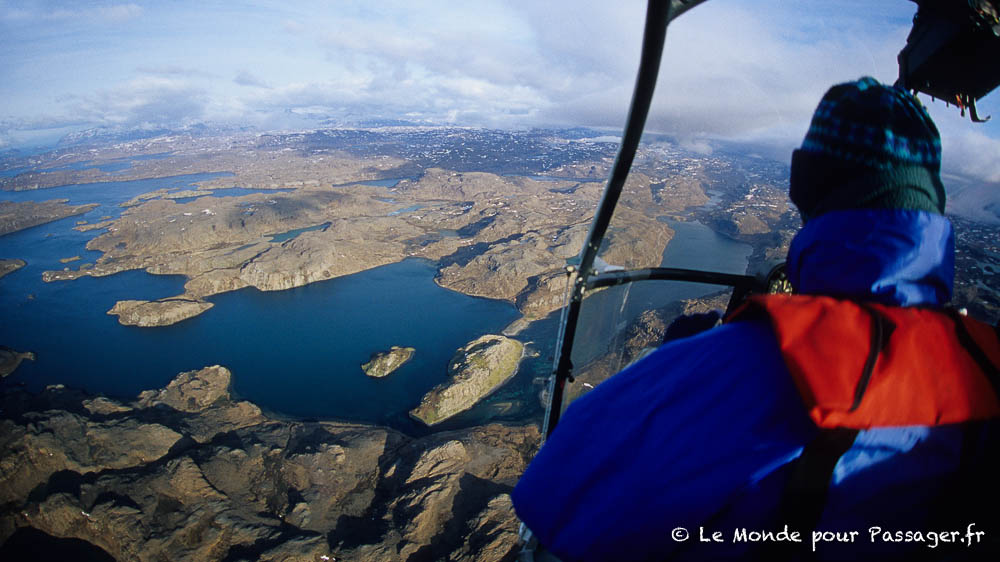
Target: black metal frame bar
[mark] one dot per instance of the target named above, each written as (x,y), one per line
(609,279)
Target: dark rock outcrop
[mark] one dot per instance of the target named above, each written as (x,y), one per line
(188,473)
(10,359)
(476,370)
(383,364)
(11,265)
(163,312)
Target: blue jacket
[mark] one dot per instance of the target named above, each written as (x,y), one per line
(699,437)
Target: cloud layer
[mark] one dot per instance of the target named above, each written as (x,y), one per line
(740,69)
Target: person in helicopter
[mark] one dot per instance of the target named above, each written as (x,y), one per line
(855,419)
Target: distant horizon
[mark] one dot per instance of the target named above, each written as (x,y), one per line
(607,135)
(71,66)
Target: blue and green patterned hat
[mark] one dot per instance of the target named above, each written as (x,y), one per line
(868,146)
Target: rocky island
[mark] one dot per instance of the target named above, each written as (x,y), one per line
(189,473)
(163,312)
(476,370)
(10,359)
(384,363)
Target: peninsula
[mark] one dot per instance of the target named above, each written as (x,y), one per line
(343,201)
(10,266)
(492,236)
(16,216)
(10,359)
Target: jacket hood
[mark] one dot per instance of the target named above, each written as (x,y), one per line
(890,256)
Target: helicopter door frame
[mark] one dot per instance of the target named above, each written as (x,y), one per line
(582,276)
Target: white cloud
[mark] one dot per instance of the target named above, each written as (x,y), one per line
(143,101)
(740,69)
(737,73)
(972,153)
(294,26)
(245,78)
(168,70)
(698,146)
(119,12)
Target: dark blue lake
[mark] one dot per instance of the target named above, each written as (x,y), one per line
(295,352)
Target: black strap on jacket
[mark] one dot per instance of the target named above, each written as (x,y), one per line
(977,353)
(805,494)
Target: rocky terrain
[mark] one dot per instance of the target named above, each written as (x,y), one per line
(10,359)
(10,266)
(385,363)
(16,216)
(188,472)
(757,212)
(245,155)
(311,158)
(476,370)
(162,312)
(493,236)
(977,269)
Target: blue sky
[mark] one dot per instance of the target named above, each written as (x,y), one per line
(738,69)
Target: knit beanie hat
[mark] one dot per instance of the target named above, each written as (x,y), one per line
(869,146)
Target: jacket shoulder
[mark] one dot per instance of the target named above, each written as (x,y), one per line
(861,364)
(694,422)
